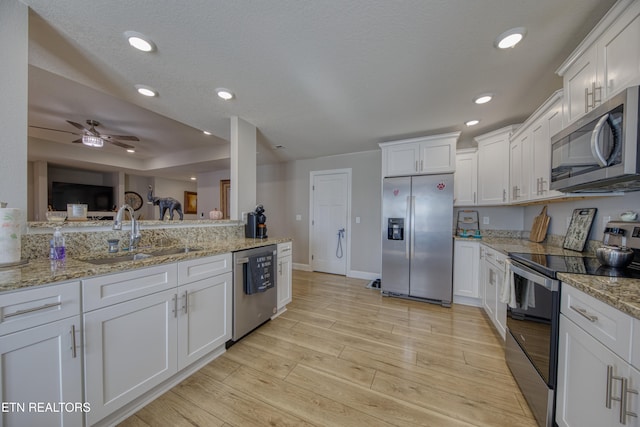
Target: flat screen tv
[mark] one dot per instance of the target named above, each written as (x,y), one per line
(97,197)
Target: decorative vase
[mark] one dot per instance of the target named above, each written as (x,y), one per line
(215,214)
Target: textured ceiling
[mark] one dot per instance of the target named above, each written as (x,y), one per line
(317,77)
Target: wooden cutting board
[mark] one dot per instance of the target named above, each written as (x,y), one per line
(540,225)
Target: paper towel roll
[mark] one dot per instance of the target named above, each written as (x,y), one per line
(11,221)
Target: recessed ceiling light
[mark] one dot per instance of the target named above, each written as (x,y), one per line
(146,90)
(139,41)
(223,93)
(193,178)
(206,132)
(130,150)
(484,98)
(472,122)
(510,38)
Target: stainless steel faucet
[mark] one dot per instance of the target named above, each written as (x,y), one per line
(135,226)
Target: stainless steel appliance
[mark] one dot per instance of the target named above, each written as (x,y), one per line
(417,244)
(256,226)
(599,152)
(254,289)
(533,321)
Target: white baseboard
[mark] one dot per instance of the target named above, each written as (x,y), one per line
(302,267)
(475,302)
(363,275)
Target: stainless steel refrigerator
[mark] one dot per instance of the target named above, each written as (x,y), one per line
(417,237)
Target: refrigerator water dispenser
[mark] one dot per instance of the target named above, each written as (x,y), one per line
(395,229)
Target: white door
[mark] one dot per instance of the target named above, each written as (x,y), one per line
(330,198)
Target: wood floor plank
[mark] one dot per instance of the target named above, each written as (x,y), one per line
(344,355)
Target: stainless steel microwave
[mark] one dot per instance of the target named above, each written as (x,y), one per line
(599,152)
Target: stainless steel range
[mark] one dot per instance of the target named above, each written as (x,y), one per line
(533,314)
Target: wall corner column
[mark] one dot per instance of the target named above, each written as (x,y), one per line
(243,167)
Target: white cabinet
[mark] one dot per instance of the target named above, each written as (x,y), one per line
(205,307)
(465,179)
(466,267)
(519,172)
(141,327)
(425,155)
(593,364)
(40,358)
(606,62)
(285,268)
(492,277)
(493,166)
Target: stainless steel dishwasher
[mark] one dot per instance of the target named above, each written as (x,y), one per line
(253,303)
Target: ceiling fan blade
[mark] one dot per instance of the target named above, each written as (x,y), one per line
(77,140)
(57,130)
(121,137)
(121,144)
(77,125)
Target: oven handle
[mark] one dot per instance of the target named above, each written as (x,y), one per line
(537,278)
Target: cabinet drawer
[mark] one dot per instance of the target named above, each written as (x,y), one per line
(201,268)
(37,306)
(284,249)
(606,324)
(119,287)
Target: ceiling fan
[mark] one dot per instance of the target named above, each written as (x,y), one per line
(91,137)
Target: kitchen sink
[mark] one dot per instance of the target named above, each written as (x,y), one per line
(117,259)
(174,251)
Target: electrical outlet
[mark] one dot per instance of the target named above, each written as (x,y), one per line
(485,220)
(357,220)
(244,217)
(298,217)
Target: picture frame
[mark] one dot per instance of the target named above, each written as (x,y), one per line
(190,202)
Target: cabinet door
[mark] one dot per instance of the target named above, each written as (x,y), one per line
(438,156)
(519,160)
(129,349)
(493,171)
(401,159)
(466,257)
(618,54)
(40,364)
(284,281)
(490,292)
(582,379)
(465,179)
(501,308)
(580,77)
(204,322)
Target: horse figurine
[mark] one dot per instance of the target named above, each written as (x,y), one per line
(165,203)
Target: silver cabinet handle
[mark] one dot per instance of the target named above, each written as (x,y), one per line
(624,401)
(74,352)
(416,169)
(280,267)
(31,310)
(185,307)
(593,93)
(608,398)
(421,165)
(543,183)
(582,312)
(586,100)
(287,249)
(474,197)
(175,305)
(504,195)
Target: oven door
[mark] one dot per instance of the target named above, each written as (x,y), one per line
(533,323)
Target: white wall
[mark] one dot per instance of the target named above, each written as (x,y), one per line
(500,218)
(14,45)
(270,193)
(209,191)
(171,188)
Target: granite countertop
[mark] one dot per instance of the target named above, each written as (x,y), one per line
(39,272)
(620,293)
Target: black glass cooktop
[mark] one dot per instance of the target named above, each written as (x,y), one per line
(551,265)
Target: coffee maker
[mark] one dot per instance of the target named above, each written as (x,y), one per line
(256,224)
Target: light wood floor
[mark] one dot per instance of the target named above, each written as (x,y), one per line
(342,355)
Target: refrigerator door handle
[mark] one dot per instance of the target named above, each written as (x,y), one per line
(412,225)
(407,236)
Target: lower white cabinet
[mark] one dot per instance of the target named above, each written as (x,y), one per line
(466,268)
(40,356)
(204,320)
(42,364)
(596,386)
(129,349)
(492,276)
(285,268)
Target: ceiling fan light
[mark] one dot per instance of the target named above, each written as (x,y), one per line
(472,122)
(130,150)
(92,141)
(483,99)
(225,94)
(139,41)
(146,90)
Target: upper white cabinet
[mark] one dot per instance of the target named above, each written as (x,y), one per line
(420,156)
(465,179)
(530,153)
(493,166)
(607,61)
